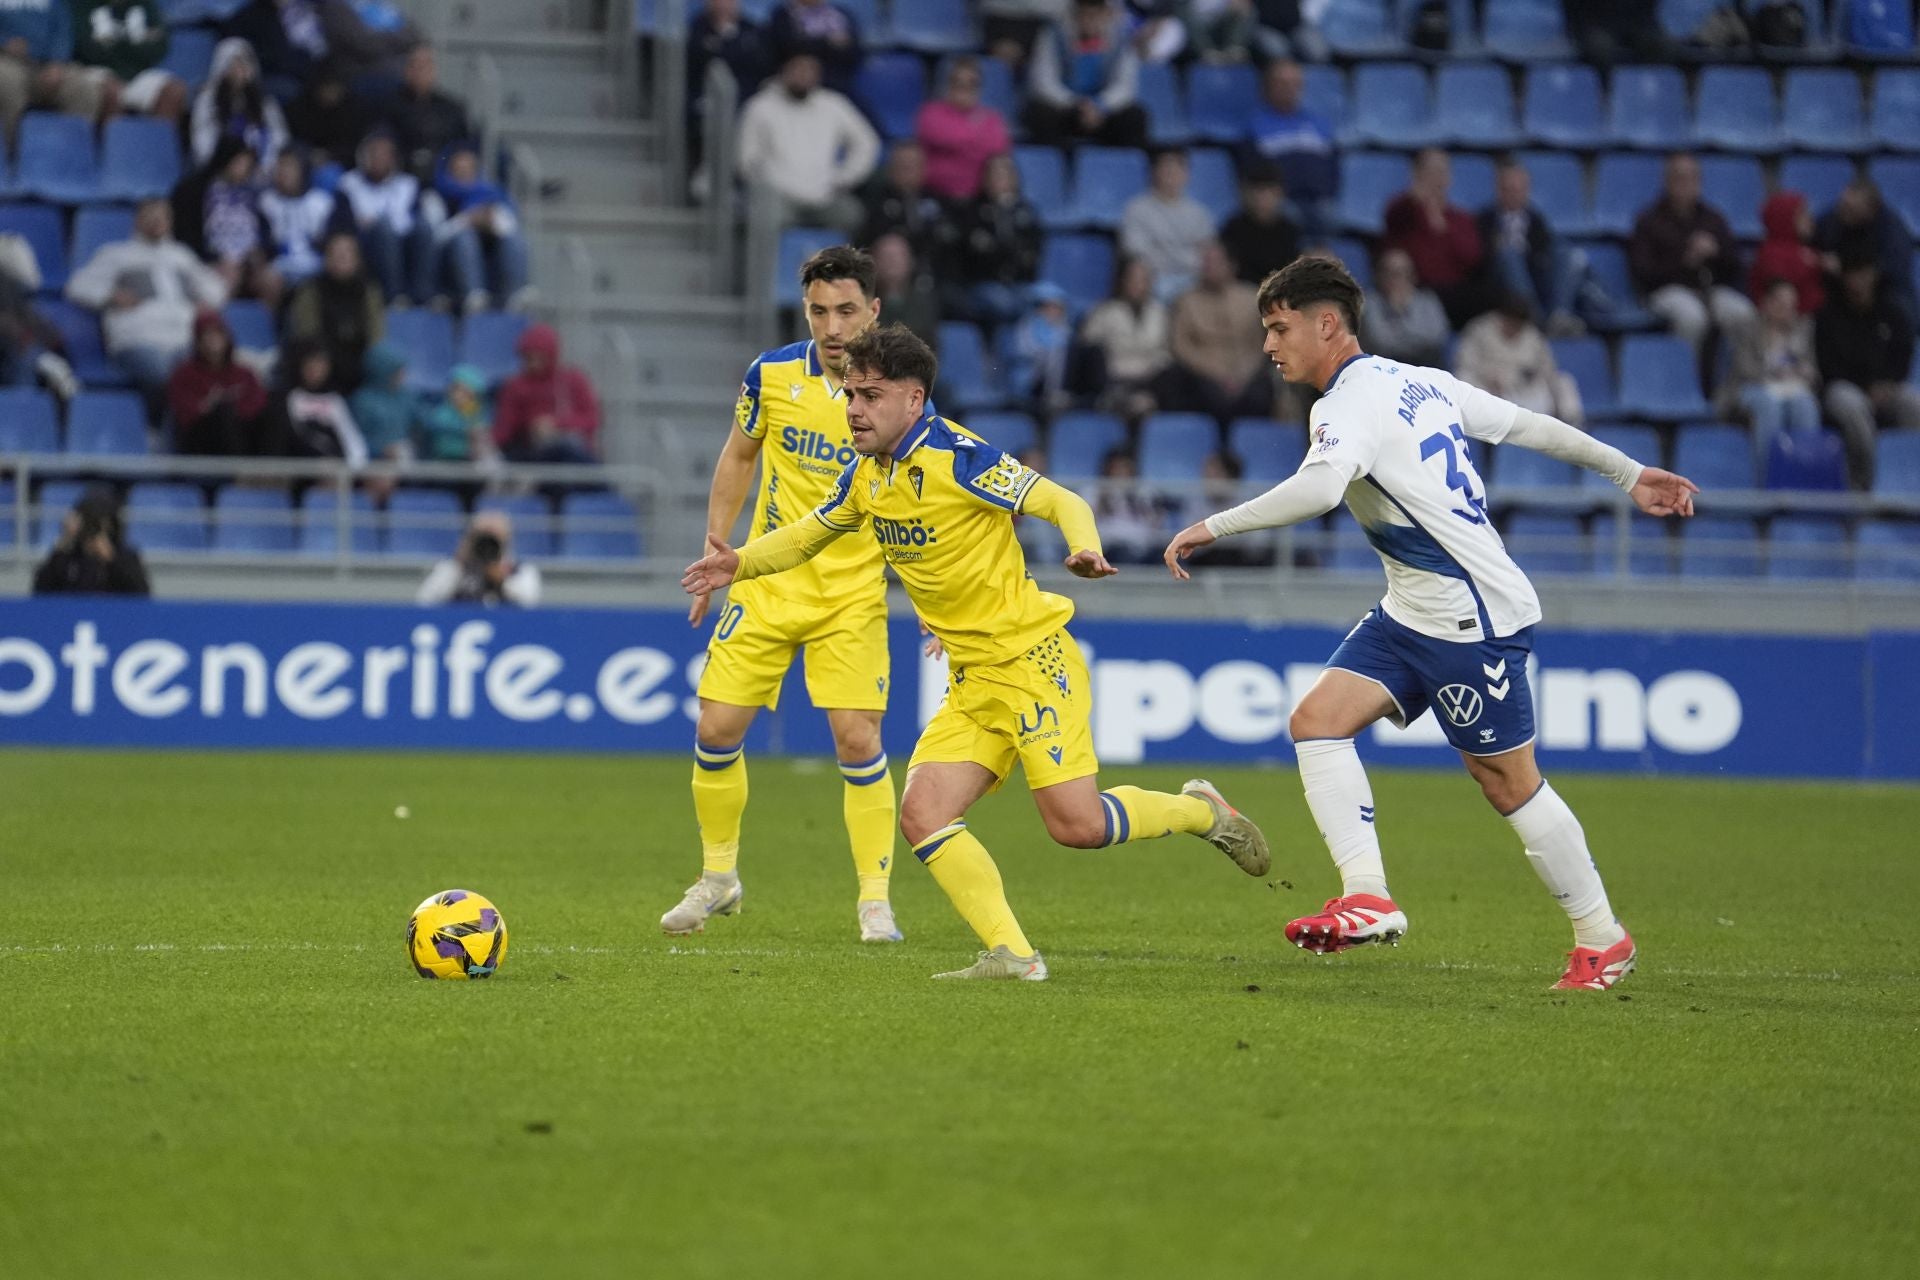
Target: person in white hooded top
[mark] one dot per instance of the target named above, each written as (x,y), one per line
(233,101)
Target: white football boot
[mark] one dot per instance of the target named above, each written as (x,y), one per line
(1002,963)
(876,922)
(715,893)
(1232,833)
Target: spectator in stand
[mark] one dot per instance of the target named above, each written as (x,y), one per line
(385,411)
(1157,32)
(328,119)
(37,68)
(1684,260)
(1787,253)
(1773,374)
(1610,31)
(810,144)
(288,38)
(1863,339)
(906,294)
(31,349)
(369,38)
(1219,489)
(298,217)
(1259,237)
(127,39)
(958,134)
(721,33)
(309,413)
(385,206)
(1860,228)
(483,570)
(824,30)
(1082,83)
(1440,237)
(1132,526)
(997,246)
(1045,366)
(482,248)
(1223,30)
(1011,27)
(149,288)
(1299,142)
(1505,353)
(457,429)
(1216,339)
(234,104)
(339,311)
(1287,30)
(901,204)
(217,403)
(424,118)
(1401,320)
(1526,256)
(1166,226)
(217,214)
(548,411)
(1130,329)
(92,555)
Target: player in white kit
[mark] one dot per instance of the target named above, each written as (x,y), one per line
(1456,627)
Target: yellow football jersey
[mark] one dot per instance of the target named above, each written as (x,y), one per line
(942,513)
(800,418)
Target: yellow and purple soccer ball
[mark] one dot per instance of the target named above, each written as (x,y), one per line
(456,934)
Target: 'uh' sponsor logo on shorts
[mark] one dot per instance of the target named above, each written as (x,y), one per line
(815,445)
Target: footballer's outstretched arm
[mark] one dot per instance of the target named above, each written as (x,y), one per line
(1068,512)
(787,547)
(1654,491)
(1308,493)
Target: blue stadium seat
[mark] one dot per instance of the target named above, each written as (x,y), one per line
(1325,91)
(1648,108)
(1043,180)
(1640,443)
(1368,180)
(1393,105)
(1546,543)
(1173,445)
(1821,110)
(1562,106)
(934,26)
(1351,552)
(797,244)
(1896,470)
(1607,266)
(1364,29)
(1818,178)
(890,88)
(1353,253)
(1878,28)
(1649,549)
(181,12)
(95,225)
(80,331)
(968,379)
(1719,547)
(487,341)
(1269,452)
(1659,378)
(29,421)
(1585,361)
(55,158)
(536,533)
(1159,96)
(39,225)
(1472,181)
(1807,547)
(1886,551)
(252,521)
(1525,29)
(1517,468)
(252,325)
(1104,179)
(1714,456)
(427,339)
(9,511)
(1079,442)
(1681,19)
(107,422)
(1624,183)
(1736,109)
(1214,183)
(1899,180)
(1896,109)
(1219,98)
(997,89)
(1013,433)
(320,522)
(1559,190)
(167,516)
(422,522)
(1081,265)
(1473,105)
(1807,460)
(189,53)
(1737,189)
(598,526)
(139,157)
(53,501)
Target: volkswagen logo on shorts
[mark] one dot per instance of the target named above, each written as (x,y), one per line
(1460,703)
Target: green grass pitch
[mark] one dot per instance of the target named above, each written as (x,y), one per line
(215,1060)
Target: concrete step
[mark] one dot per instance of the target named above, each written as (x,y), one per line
(631,261)
(543,74)
(599,162)
(489,16)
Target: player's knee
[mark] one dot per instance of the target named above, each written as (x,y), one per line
(919,819)
(1308,722)
(856,743)
(1505,792)
(1078,830)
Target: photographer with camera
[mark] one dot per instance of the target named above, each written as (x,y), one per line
(92,556)
(483,571)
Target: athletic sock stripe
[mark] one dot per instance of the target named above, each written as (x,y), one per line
(1121,820)
(861,775)
(719,756)
(861,765)
(1106,813)
(931,845)
(867,781)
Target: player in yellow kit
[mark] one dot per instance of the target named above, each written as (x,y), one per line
(940,502)
(792,422)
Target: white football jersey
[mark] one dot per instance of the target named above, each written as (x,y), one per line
(1398,433)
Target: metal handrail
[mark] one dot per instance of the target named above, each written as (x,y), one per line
(763,260)
(487,107)
(720,107)
(669,82)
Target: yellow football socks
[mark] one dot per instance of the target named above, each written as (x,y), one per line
(1133,814)
(963,867)
(867,804)
(719,798)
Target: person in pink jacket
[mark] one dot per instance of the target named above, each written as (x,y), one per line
(548,411)
(958,133)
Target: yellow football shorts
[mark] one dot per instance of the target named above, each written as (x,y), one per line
(757,634)
(1035,709)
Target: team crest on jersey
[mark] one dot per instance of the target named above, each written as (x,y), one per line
(795,388)
(916,477)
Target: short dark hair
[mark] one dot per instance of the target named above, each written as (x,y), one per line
(841,262)
(1310,279)
(893,352)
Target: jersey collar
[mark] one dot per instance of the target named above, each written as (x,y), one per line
(915,438)
(814,367)
(1342,369)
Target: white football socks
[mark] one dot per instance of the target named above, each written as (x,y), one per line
(1342,803)
(1557,848)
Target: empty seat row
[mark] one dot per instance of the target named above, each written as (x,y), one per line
(58,160)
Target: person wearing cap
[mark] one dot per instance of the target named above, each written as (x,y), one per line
(456,429)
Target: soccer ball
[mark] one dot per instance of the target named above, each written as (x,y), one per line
(456,934)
